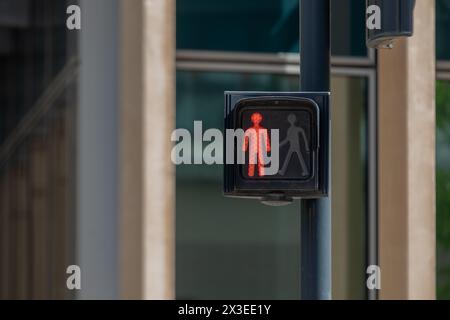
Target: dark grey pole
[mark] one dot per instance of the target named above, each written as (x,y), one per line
(315,213)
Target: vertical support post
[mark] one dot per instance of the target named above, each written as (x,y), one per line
(315,213)
(407,194)
(97,152)
(147,119)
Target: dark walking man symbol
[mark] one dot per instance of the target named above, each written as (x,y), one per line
(293,139)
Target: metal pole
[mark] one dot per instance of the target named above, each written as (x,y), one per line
(315,213)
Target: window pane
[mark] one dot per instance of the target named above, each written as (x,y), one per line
(32,51)
(240,249)
(349,143)
(229,248)
(443,188)
(38,91)
(442,29)
(263,26)
(348,28)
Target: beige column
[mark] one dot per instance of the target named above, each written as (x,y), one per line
(147,114)
(407,162)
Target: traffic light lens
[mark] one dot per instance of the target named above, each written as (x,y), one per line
(295,145)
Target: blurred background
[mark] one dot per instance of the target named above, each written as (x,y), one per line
(69,189)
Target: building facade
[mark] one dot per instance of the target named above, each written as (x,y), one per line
(86,177)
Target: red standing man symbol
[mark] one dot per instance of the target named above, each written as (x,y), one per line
(256,142)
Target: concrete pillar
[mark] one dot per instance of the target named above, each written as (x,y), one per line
(407,162)
(147,118)
(97,151)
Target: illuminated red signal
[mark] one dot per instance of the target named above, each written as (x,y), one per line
(257,143)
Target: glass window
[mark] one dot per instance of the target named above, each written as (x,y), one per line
(442,29)
(33,43)
(273,26)
(229,248)
(349,194)
(348,28)
(37,146)
(240,249)
(443,188)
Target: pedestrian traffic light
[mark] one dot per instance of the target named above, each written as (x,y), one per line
(276,145)
(388,20)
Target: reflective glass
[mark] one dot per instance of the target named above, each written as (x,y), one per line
(263,26)
(443,188)
(443,29)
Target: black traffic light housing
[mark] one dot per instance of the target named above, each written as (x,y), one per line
(397,17)
(303,163)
